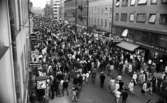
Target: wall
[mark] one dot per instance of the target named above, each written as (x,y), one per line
(148,8)
(100,14)
(7,82)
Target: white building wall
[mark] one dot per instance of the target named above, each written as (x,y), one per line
(7,79)
(100,14)
(7,75)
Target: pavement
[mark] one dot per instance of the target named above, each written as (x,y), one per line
(92,93)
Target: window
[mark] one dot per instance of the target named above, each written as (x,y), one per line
(164,1)
(117,17)
(124,2)
(105,22)
(153,1)
(142,1)
(141,17)
(132,17)
(163,19)
(101,22)
(124,17)
(132,2)
(117,3)
(152,18)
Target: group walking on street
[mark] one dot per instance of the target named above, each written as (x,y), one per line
(68,61)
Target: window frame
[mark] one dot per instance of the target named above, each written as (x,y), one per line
(126,4)
(116,2)
(116,18)
(142,3)
(150,16)
(153,3)
(137,21)
(164,2)
(160,20)
(131,3)
(130,17)
(122,20)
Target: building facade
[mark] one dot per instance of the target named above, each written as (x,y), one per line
(76,11)
(48,11)
(146,21)
(56,8)
(100,14)
(14,44)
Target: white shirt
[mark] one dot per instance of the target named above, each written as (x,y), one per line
(134,76)
(117,86)
(87,75)
(117,94)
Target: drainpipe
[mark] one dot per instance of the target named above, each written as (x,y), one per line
(112,18)
(87,14)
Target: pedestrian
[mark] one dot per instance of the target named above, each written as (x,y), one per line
(121,84)
(102,79)
(131,87)
(134,77)
(124,95)
(65,87)
(117,95)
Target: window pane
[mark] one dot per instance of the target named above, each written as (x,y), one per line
(153,1)
(152,18)
(163,19)
(116,17)
(117,2)
(123,16)
(132,2)
(124,2)
(132,17)
(141,17)
(142,1)
(164,1)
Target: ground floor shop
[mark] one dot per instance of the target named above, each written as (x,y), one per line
(153,44)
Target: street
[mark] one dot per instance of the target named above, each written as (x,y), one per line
(92,93)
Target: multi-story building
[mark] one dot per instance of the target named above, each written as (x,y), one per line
(145,21)
(100,14)
(14,48)
(56,8)
(69,11)
(76,11)
(48,11)
(61,13)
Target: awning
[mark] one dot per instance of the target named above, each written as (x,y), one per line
(127,45)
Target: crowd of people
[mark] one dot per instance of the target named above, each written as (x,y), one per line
(72,57)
